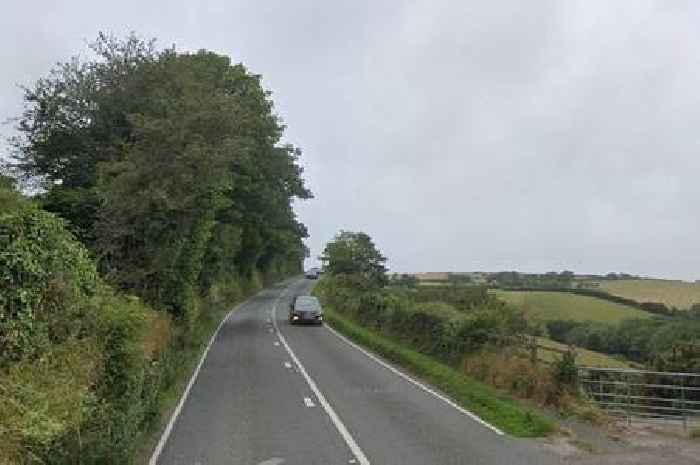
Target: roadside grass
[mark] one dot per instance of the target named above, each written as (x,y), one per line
(491,405)
(546,306)
(677,294)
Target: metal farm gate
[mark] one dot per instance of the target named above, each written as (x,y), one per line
(640,395)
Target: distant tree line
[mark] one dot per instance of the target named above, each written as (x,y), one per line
(617,276)
(662,343)
(403,280)
(549,280)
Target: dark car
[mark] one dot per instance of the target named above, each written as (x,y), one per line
(312,273)
(306,309)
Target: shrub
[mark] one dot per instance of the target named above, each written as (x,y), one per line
(45,275)
(462,298)
(565,371)
(510,371)
(47,398)
(431,327)
(76,359)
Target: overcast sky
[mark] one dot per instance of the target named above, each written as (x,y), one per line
(461,135)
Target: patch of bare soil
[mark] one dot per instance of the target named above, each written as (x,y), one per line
(622,444)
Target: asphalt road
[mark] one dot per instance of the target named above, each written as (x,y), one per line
(269,393)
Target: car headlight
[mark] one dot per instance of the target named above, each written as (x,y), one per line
(295,317)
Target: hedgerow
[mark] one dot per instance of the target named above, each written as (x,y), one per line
(170,196)
(434,328)
(82,367)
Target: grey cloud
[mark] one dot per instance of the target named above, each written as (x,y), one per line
(460,135)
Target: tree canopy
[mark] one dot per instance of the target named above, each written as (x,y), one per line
(354,253)
(169,166)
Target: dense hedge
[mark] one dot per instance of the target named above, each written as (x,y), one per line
(45,276)
(433,328)
(72,357)
(461,297)
(82,368)
(657,342)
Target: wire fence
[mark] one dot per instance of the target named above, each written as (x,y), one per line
(641,395)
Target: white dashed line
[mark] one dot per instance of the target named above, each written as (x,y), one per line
(276,343)
(308,402)
(337,422)
(288,365)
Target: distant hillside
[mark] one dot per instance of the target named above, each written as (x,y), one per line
(678,294)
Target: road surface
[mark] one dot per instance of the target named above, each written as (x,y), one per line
(269,393)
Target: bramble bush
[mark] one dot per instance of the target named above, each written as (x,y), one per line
(72,352)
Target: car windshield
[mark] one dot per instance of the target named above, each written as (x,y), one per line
(307,303)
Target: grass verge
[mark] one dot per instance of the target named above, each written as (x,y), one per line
(492,406)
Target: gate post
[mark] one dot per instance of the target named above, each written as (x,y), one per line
(684,413)
(629,400)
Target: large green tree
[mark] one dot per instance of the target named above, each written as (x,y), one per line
(168,166)
(355,254)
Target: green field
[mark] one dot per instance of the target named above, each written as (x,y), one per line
(584,357)
(678,294)
(544,306)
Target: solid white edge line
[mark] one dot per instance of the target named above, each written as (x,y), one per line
(173,418)
(335,419)
(417,383)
